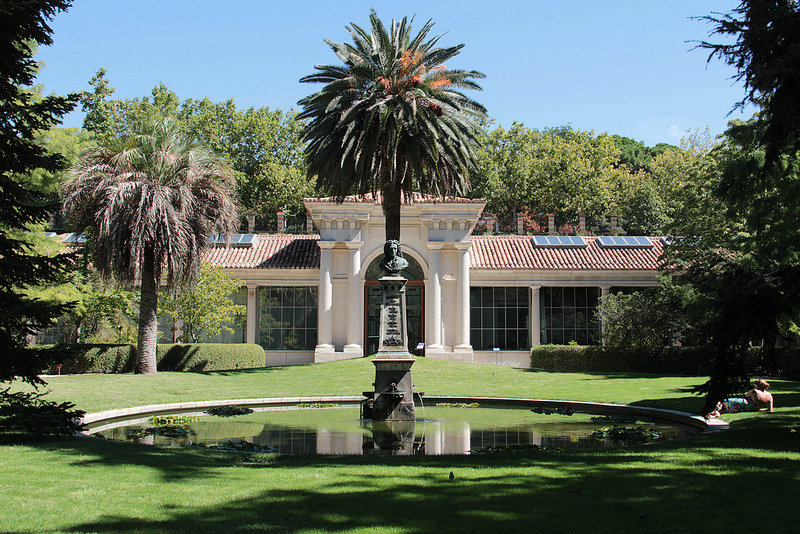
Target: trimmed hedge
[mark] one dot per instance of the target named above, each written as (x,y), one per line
(209,356)
(106,358)
(783,361)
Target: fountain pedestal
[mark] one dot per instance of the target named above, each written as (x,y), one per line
(393,399)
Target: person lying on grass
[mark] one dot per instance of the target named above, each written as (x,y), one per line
(754,400)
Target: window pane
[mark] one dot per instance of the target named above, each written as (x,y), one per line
(487,299)
(511,296)
(287,318)
(572,315)
(475,317)
(569,297)
(557,297)
(580,297)
(488,318)
(474,296)
(511,318)
(413,298)
(499,318)
(569,318)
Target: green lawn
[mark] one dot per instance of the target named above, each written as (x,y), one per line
(713,483)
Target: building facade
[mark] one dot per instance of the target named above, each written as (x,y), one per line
(484,299)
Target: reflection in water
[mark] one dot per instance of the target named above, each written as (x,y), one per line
(340,431)
(393,437)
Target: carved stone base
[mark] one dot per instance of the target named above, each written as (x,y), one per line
(394,398)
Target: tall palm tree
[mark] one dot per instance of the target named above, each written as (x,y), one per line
(392,118)
(149,201)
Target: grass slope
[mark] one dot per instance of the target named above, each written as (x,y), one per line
(703,484)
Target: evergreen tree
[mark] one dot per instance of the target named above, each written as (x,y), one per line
(748,265)
(24,26)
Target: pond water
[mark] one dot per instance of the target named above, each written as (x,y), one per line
(440,430)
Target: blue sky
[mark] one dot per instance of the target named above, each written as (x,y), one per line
(618,66)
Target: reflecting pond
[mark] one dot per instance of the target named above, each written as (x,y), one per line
(440,430)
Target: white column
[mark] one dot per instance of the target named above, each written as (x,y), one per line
(325,321)
(536,318)
(355,317)
(462,298)
(604,292)
(433,319)
(251,331)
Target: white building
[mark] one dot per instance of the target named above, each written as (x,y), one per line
(484,299)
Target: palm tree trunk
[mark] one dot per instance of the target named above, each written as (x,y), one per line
(392,200)
(148,317)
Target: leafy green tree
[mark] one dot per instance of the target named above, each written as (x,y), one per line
(635,155)
(262,146)
(580,167)
(651,317)
(640,207)
(504,175)
(686,178)
(148,201)
(558,170)
(205,307)
(24,115)
(392,118)
(276,188)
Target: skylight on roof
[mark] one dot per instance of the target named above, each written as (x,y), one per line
(625,241)
(236,240)
(559,241)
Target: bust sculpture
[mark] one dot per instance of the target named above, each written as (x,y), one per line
(393,261)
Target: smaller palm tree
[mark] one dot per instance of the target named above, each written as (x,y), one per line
(148,201)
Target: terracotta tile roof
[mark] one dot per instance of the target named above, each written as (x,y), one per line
(281,251)
(519,252)
(416,198)
(277,251)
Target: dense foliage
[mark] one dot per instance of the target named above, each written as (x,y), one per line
(745,257)
(262,146)
(569,172)
(30,413)
(652,317)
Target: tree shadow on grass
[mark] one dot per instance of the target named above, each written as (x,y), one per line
(665,488)
(171,464)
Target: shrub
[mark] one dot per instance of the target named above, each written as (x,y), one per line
(784,361)
(209,356)
(90,358)
(99,358)
(576,358)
